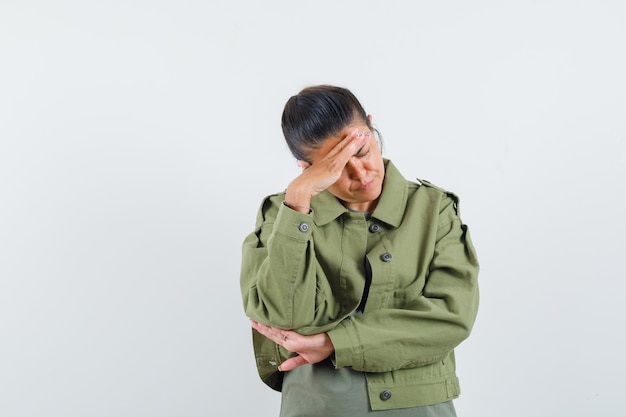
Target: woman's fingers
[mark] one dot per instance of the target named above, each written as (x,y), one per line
(309,349)
(348,146)
(292,363)
(335,161)
(279,336)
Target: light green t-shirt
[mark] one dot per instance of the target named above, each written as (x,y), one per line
(321,390)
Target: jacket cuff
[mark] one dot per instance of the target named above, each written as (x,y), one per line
(347,346)
(293,224)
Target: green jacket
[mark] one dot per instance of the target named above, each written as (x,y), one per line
(306,272)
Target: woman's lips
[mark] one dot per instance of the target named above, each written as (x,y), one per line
(366,186)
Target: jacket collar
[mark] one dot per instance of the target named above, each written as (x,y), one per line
(390,208)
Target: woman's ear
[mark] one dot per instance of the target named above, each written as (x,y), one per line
(370,119)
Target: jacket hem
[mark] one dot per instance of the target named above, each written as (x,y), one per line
(387,397)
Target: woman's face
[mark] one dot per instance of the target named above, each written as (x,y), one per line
(361,181)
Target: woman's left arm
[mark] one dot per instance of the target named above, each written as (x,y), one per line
(428,326)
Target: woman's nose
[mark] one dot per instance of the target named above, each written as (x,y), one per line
(356,170)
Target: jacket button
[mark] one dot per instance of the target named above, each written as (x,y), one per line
(386,257)
(303,227)
(385,395)
(374,228)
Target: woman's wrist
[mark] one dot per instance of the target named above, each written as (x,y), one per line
(298,199)
(301,209)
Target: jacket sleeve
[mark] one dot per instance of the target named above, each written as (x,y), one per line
(278,275)
(433,323)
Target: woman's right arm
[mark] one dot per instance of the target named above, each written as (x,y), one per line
(279,282)
(278,274)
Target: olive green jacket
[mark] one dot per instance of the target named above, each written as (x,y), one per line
(306,272)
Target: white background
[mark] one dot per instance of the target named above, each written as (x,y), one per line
(137,139)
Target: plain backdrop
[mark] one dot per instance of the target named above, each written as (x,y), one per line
(137,139)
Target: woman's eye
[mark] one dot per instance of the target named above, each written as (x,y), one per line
(364,154)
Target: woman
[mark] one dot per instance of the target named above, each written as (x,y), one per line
(358,283)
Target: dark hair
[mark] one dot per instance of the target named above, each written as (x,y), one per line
(316,113)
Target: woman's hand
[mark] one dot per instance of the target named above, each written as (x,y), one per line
(310,349)
(324,172)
